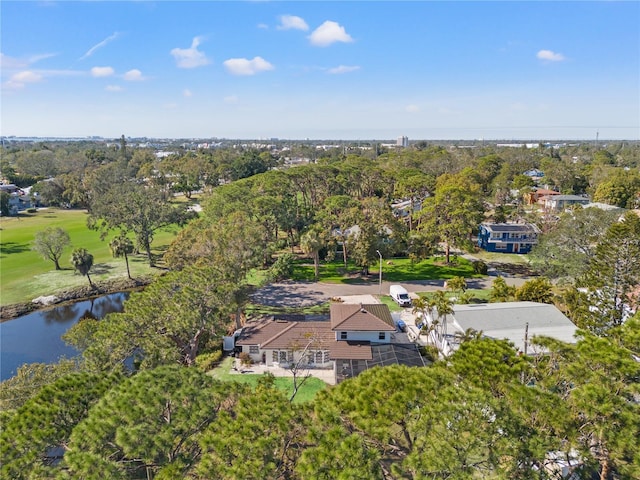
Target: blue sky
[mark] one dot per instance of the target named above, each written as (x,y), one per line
(321,70)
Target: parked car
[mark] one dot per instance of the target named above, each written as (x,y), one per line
(400,295)
(401,326)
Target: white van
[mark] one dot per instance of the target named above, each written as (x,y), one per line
(400,295)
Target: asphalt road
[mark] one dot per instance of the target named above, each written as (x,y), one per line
(305,294)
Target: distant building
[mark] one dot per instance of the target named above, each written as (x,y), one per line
(508,237)
(558,203)
(19,198)
(538,194)
(402,142)
(534,174)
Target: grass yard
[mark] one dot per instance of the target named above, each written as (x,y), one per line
(252,309)
(24,275)
(511,258)
(399,270)
(481,296)
(390,302)
(306,393)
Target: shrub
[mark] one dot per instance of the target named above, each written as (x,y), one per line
(480,267)
(208,361)
(210,343)
(282,267)
(430,352)
(245,359)
(281,244)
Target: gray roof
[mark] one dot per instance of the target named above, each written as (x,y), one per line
(510,227)
(575,198)
(508,321)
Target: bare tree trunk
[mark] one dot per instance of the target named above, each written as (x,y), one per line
(604,472)
(192,348)
(126,259)
(238,318)
(316,265)
(344,253)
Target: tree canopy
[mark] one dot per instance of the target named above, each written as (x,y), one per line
(50,244)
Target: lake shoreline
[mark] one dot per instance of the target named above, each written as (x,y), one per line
(10,312)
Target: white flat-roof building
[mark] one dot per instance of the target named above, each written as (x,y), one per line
(516,322)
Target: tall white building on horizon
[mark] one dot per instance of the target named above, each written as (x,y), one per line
(402,142)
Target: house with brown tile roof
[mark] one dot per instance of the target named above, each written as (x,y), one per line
(355,338)
(538,194)
(358,322)
(280,342)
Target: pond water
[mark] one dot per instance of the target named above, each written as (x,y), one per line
(36,337)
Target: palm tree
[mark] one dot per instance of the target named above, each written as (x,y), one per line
(468,335)
(457,284)
(311,243)
(82,261)
(122,246)
(501,292)
(444,307)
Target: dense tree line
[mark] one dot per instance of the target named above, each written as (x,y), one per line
(485,413)
(135,405)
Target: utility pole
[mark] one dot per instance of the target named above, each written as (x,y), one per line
(380,273)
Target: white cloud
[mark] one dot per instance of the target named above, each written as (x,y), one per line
(134,75)
(291,22)
(243,66)
(42,56)
(550,56)
(101,44)
(412,108)
(102,71)
(62,73)
(20,79)
(327,33)
(27,76)
(231,99)
(190,57)
(11,62)
(343,69)
(186,93)
(7,62)
(113,88)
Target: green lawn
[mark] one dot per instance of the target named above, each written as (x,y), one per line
(306,393)
(398,270)
(390,302)
(481,296)
(252,309)
(513,258)
(24,275)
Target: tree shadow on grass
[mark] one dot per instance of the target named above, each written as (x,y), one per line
(9,248)
(100,268)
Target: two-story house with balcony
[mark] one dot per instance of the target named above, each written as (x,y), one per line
(508,237)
